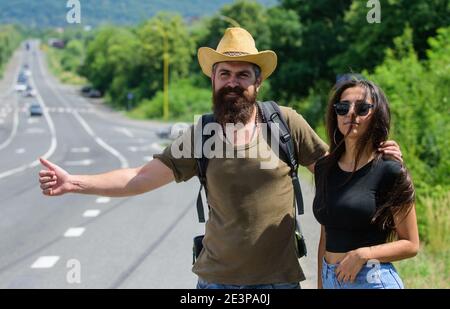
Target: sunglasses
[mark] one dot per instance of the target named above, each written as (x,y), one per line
(361,108)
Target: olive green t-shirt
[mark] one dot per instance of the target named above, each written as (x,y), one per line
(249,235)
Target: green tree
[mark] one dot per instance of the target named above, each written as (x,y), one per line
(367,42)
(248,14)
(72,55)
(121,60)
(96,67)
(419,94)
(321,29)
(10,38)
(151,50)
(286,41)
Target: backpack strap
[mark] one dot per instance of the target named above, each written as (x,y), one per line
(272,115)
(202,165)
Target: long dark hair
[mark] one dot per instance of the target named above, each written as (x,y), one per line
(401,198)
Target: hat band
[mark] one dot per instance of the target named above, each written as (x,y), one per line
(235,53)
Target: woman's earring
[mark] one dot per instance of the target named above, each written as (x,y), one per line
(334,136)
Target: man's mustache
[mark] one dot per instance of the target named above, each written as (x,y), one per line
(226,90)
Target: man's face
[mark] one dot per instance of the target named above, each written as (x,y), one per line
(235,87)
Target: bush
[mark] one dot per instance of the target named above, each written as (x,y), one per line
(418,92)
(185,101)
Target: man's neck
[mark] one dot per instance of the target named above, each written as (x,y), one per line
(243,134)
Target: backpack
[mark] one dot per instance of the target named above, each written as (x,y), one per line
(271,114)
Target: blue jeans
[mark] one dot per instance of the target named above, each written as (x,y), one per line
(371,276)
(202,284)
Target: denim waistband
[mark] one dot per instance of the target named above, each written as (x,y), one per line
(369,264)
(372,275)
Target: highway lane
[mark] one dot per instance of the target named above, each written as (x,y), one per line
(138,242)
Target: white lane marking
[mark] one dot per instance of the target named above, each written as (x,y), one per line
(157,147)
(125,131)
(53,143)
(20,150)
(148,158)
(122,159)
(86,162)
(34,131)
(45,262)
(91,213)
(16,113)
(140,148)
(13,131)
(32,120)
(141,141)
(74,232)
(103,200)
(80,150)
(118,155)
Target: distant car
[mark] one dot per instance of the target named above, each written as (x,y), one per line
(20,87)
(178,129)
(173,131)
(90,92)
(163,133)
(29,92)
(22,82)
(86,89)
(35,109)
(94,93)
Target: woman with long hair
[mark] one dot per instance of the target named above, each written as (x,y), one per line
(364,202)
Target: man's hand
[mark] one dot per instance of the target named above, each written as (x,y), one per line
(54,180)
(391,150)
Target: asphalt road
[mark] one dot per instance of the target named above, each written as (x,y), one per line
(79,241)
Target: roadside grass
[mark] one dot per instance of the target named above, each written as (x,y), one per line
(426,270)
(54,63)
(431,267)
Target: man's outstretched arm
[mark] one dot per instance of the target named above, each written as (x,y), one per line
(123,182)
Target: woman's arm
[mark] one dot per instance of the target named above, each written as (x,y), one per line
(406,246)
(320,254)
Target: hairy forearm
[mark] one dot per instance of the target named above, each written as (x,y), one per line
(390,252)
(116,183)
(123,182)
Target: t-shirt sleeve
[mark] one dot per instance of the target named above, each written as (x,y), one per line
(308,145)
(391,174)
(179,156)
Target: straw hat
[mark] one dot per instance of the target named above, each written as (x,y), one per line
(237,45)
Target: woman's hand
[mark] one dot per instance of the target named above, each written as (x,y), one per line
(391,150)
(351,264)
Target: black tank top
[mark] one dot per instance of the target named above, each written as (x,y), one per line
(349,205)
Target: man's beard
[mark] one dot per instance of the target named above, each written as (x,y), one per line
(234,109)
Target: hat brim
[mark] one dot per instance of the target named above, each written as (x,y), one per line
(266,60)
